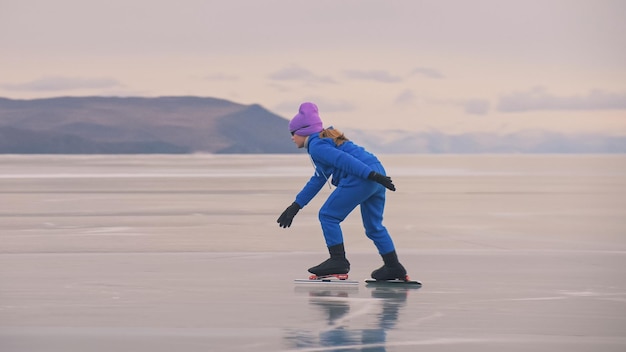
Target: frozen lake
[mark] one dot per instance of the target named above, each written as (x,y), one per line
(162,253)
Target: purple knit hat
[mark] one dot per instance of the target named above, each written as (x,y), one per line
(307,121)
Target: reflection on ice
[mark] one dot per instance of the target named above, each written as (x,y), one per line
(352,323)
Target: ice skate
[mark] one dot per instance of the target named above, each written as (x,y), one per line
(331,266)
(392,272)
(336,264)
(331,271)
(385,272)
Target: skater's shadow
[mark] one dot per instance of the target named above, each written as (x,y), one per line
(350,321)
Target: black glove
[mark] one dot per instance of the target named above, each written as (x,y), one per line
(286,217)
(382,179)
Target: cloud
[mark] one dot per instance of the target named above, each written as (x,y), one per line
(63,83)
(372,75)
(476,106)
(296,73)
(405,97)
(325,106)
(221,77)
(334,105)
(539,99)
(427,72)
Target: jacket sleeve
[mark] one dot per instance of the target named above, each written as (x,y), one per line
(310,190)
(328,154)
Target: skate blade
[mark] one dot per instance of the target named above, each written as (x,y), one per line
(326,282)
(393,282)
(406,281)
(339,279)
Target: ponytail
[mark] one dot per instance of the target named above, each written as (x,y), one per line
(337,136)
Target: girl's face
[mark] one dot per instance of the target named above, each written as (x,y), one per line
(298,140)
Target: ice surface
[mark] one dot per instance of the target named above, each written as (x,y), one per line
(517,253)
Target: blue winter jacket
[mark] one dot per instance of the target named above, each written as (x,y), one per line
(344,163)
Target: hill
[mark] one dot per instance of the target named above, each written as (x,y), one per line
(92,125)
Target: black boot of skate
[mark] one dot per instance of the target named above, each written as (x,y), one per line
(391,270)
(336,264)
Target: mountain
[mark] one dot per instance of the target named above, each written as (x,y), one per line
(90,125)
(473,143)
(169,125)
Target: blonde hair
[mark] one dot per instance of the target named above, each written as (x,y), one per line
(336,135)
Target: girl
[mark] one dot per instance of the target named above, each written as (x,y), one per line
(360,180)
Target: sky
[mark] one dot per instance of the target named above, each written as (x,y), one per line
(453,66)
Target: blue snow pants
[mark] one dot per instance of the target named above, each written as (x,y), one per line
(351,192)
